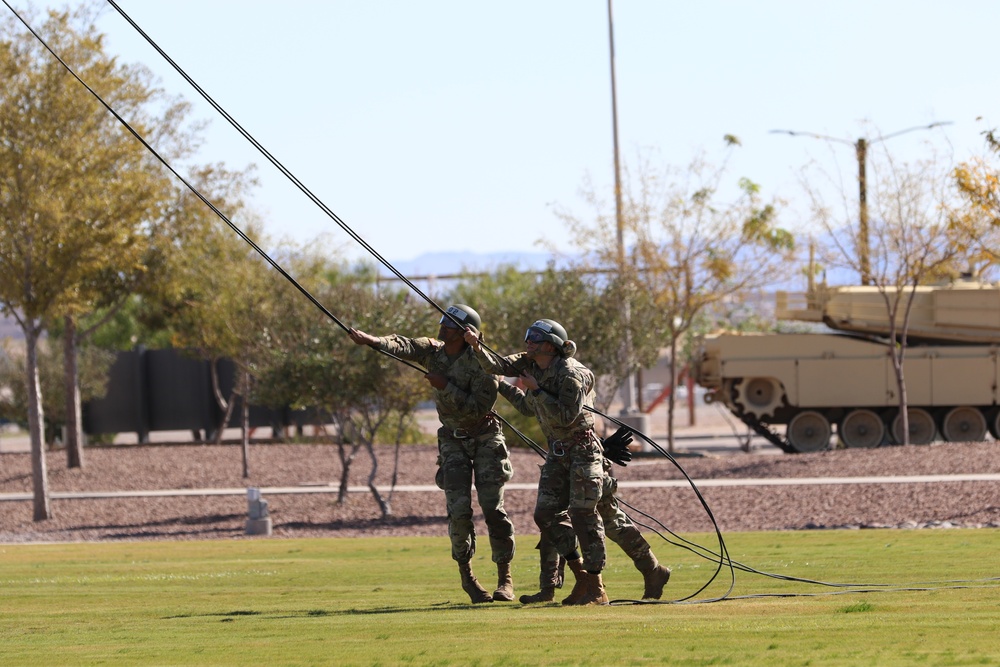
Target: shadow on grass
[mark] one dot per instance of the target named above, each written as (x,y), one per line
(229,616)
(361,524)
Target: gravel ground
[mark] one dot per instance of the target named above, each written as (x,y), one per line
(740,508)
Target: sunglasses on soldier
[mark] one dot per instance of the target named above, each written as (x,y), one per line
(533,336)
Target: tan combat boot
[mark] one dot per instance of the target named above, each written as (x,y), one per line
(593,592)
(581,583)
(471,586)
(547,594)
(505,586)
(654,576)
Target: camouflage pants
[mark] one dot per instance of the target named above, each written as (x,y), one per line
(569,490)
(485,461)
(617,526)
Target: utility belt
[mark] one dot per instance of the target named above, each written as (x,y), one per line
(489,422)
(560,448)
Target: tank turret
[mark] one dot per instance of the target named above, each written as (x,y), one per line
(963,311)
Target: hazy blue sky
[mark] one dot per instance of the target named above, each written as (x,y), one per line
(455,125)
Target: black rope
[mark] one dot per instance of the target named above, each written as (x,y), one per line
(205,200)
(166,164)
(316,200)
(290,176)
(697,549)
(281,167)
(722,555)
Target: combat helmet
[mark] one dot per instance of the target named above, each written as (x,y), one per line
(463,314)
(548,331)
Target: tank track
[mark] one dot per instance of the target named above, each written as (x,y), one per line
(766,433)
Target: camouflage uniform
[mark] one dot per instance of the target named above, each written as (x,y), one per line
(572,477)
(618,527)
(470,445)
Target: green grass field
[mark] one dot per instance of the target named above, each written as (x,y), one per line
(397,602)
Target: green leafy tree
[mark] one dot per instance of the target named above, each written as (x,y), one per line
(314,364)
(75,190)
(692,238)
(504,298)
(978,183)
(510,300)
(219,291)
(587,303)
(93,365)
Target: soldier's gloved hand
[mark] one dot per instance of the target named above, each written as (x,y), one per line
(437,380)
(616,446)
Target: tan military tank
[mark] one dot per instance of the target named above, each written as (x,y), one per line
(821,384)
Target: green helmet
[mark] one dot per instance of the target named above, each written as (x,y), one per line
(465,315)
(548,331)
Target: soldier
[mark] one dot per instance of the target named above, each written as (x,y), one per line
(470,443)
(620,530)
(572,478)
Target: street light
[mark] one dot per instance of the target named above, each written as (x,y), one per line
(628,406)
(861,151)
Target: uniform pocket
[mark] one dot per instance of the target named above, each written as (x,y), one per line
(508,470)
(439,475)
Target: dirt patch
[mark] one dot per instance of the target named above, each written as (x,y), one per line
(314,466)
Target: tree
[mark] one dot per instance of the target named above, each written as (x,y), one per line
(219,290)
(978,183)
(75,190)
(917,236)
(93,365)
(314,364)
(505,300)
(693,241)
(585,303)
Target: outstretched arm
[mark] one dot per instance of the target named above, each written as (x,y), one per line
(361,338)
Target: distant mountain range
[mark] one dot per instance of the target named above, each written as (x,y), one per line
(440,264)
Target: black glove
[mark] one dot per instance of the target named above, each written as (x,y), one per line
(616,446)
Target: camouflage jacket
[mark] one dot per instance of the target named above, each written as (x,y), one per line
(565,388)
(470,393)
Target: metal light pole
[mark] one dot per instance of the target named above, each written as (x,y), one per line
(628,400)
(861,151)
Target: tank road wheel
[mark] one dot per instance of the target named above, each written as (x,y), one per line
(922,428)
(809,431)
(759,397)
(862,428)
(964,424)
